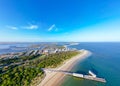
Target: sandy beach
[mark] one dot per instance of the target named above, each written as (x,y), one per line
(54,78)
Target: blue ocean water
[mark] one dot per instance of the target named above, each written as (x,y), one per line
(104,61)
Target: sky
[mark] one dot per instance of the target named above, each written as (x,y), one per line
(59,20)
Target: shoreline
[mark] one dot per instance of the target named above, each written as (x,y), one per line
(54,78)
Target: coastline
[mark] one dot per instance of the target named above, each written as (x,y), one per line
(54,78)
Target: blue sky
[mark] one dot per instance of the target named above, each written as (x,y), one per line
(59,20)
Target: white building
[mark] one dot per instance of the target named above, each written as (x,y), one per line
(92,74)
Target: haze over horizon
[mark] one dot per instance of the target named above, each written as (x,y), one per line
(59,21)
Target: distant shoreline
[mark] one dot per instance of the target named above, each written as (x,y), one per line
(55,79)
(72,44)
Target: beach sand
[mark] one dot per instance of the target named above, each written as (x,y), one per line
(54,78)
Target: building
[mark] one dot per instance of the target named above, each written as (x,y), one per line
(92,74)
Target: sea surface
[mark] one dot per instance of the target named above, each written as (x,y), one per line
(104,62)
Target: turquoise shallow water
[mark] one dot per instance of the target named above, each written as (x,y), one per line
(105,62)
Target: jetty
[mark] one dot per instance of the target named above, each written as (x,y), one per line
(91,75)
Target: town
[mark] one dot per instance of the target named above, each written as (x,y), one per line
(14,59)
(36,51)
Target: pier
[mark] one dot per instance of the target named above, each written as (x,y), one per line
(92,76)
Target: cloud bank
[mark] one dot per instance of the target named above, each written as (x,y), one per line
(31,27)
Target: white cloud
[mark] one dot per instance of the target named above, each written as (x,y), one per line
(53,28)
(31,27)
(12,27)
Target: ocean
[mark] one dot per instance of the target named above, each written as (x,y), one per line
(104,62)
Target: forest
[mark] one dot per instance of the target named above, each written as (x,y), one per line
(24,74)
